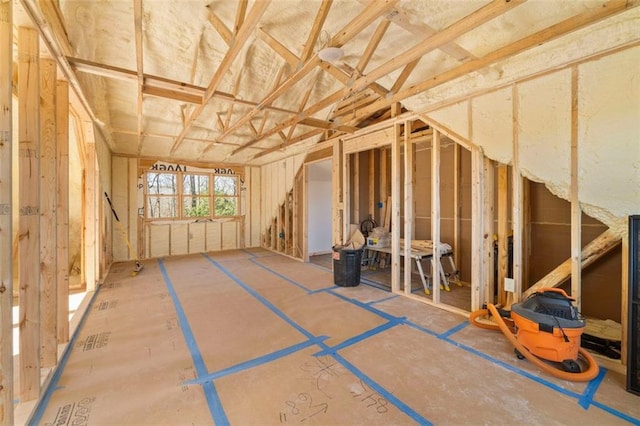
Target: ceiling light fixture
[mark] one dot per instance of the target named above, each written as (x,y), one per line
(331,54)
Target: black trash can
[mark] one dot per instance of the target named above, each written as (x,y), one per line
(346,266)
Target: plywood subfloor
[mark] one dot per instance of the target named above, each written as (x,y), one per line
(248,337)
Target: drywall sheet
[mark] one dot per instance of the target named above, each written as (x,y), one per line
(454,117)
(492,124)
(609,111)
(544,130)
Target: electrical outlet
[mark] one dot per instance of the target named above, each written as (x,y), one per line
(509,285)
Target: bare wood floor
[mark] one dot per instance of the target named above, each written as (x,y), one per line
(248,337)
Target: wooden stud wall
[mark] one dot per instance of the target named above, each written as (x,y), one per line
(62,209)
(29,230)
(6,201)
(48,231)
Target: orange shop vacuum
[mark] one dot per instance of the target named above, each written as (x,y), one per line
(546,331)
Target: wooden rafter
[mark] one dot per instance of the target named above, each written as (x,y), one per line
(318,23)
(372,46)
(220,27)
(239,40)
(240,15)
(562,28)
(464,25)
(347,33)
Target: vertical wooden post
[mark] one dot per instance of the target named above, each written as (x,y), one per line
(347,214)
(576,212)
(503,230)
(355,206)
(48,201)
(336,180)
(517,204)
(62,208)
(488,257)
(408,205)
(624,302)
(6,218)
(29,230)
(477,228)
(457,236)
(435,215)
(372,184)
(90,208)
(384,191)
(395,202)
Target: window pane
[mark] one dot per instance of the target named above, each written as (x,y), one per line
(225,185)
(161,207)
(161,184)
(195,207)
(226,206)
(195,185)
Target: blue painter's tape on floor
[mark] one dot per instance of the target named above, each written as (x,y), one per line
(258,296)
(279,275)
(53,384)
(210,393)
(379,389)
(382,391)
(259,361)
(355,339)
(591,389)
(454,330)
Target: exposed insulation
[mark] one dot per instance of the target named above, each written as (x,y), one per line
(492,124)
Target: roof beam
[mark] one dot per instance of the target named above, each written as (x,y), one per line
(455,30)
(237,44)
(315,30)
(353,28)
(220,27)
(562,28)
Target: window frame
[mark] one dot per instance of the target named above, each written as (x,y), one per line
(180,195)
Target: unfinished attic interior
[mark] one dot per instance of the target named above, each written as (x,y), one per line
(321,211)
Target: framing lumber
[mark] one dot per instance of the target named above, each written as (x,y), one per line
(241,38)
(477,228)
(353,28)
(503,231)
(62,209)
(137,25)
(90,208)
(395,203)
(372,184)
(29,229)
(384,191)
(220,27)
(457,234)
(435,215)
(240,15)
(48,220)
(336,182)
(466,24)
(593,251)
(55,21)
(624,299)
(550,33)
(409,216)
(576,212)
(375,40)
(6,216)
(488,282)
(318,23)
(518,207)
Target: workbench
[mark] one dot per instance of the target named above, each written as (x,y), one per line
(421,249)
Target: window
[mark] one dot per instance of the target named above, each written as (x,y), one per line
(181,195)
(226,196)
(162,195)
(195,200)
